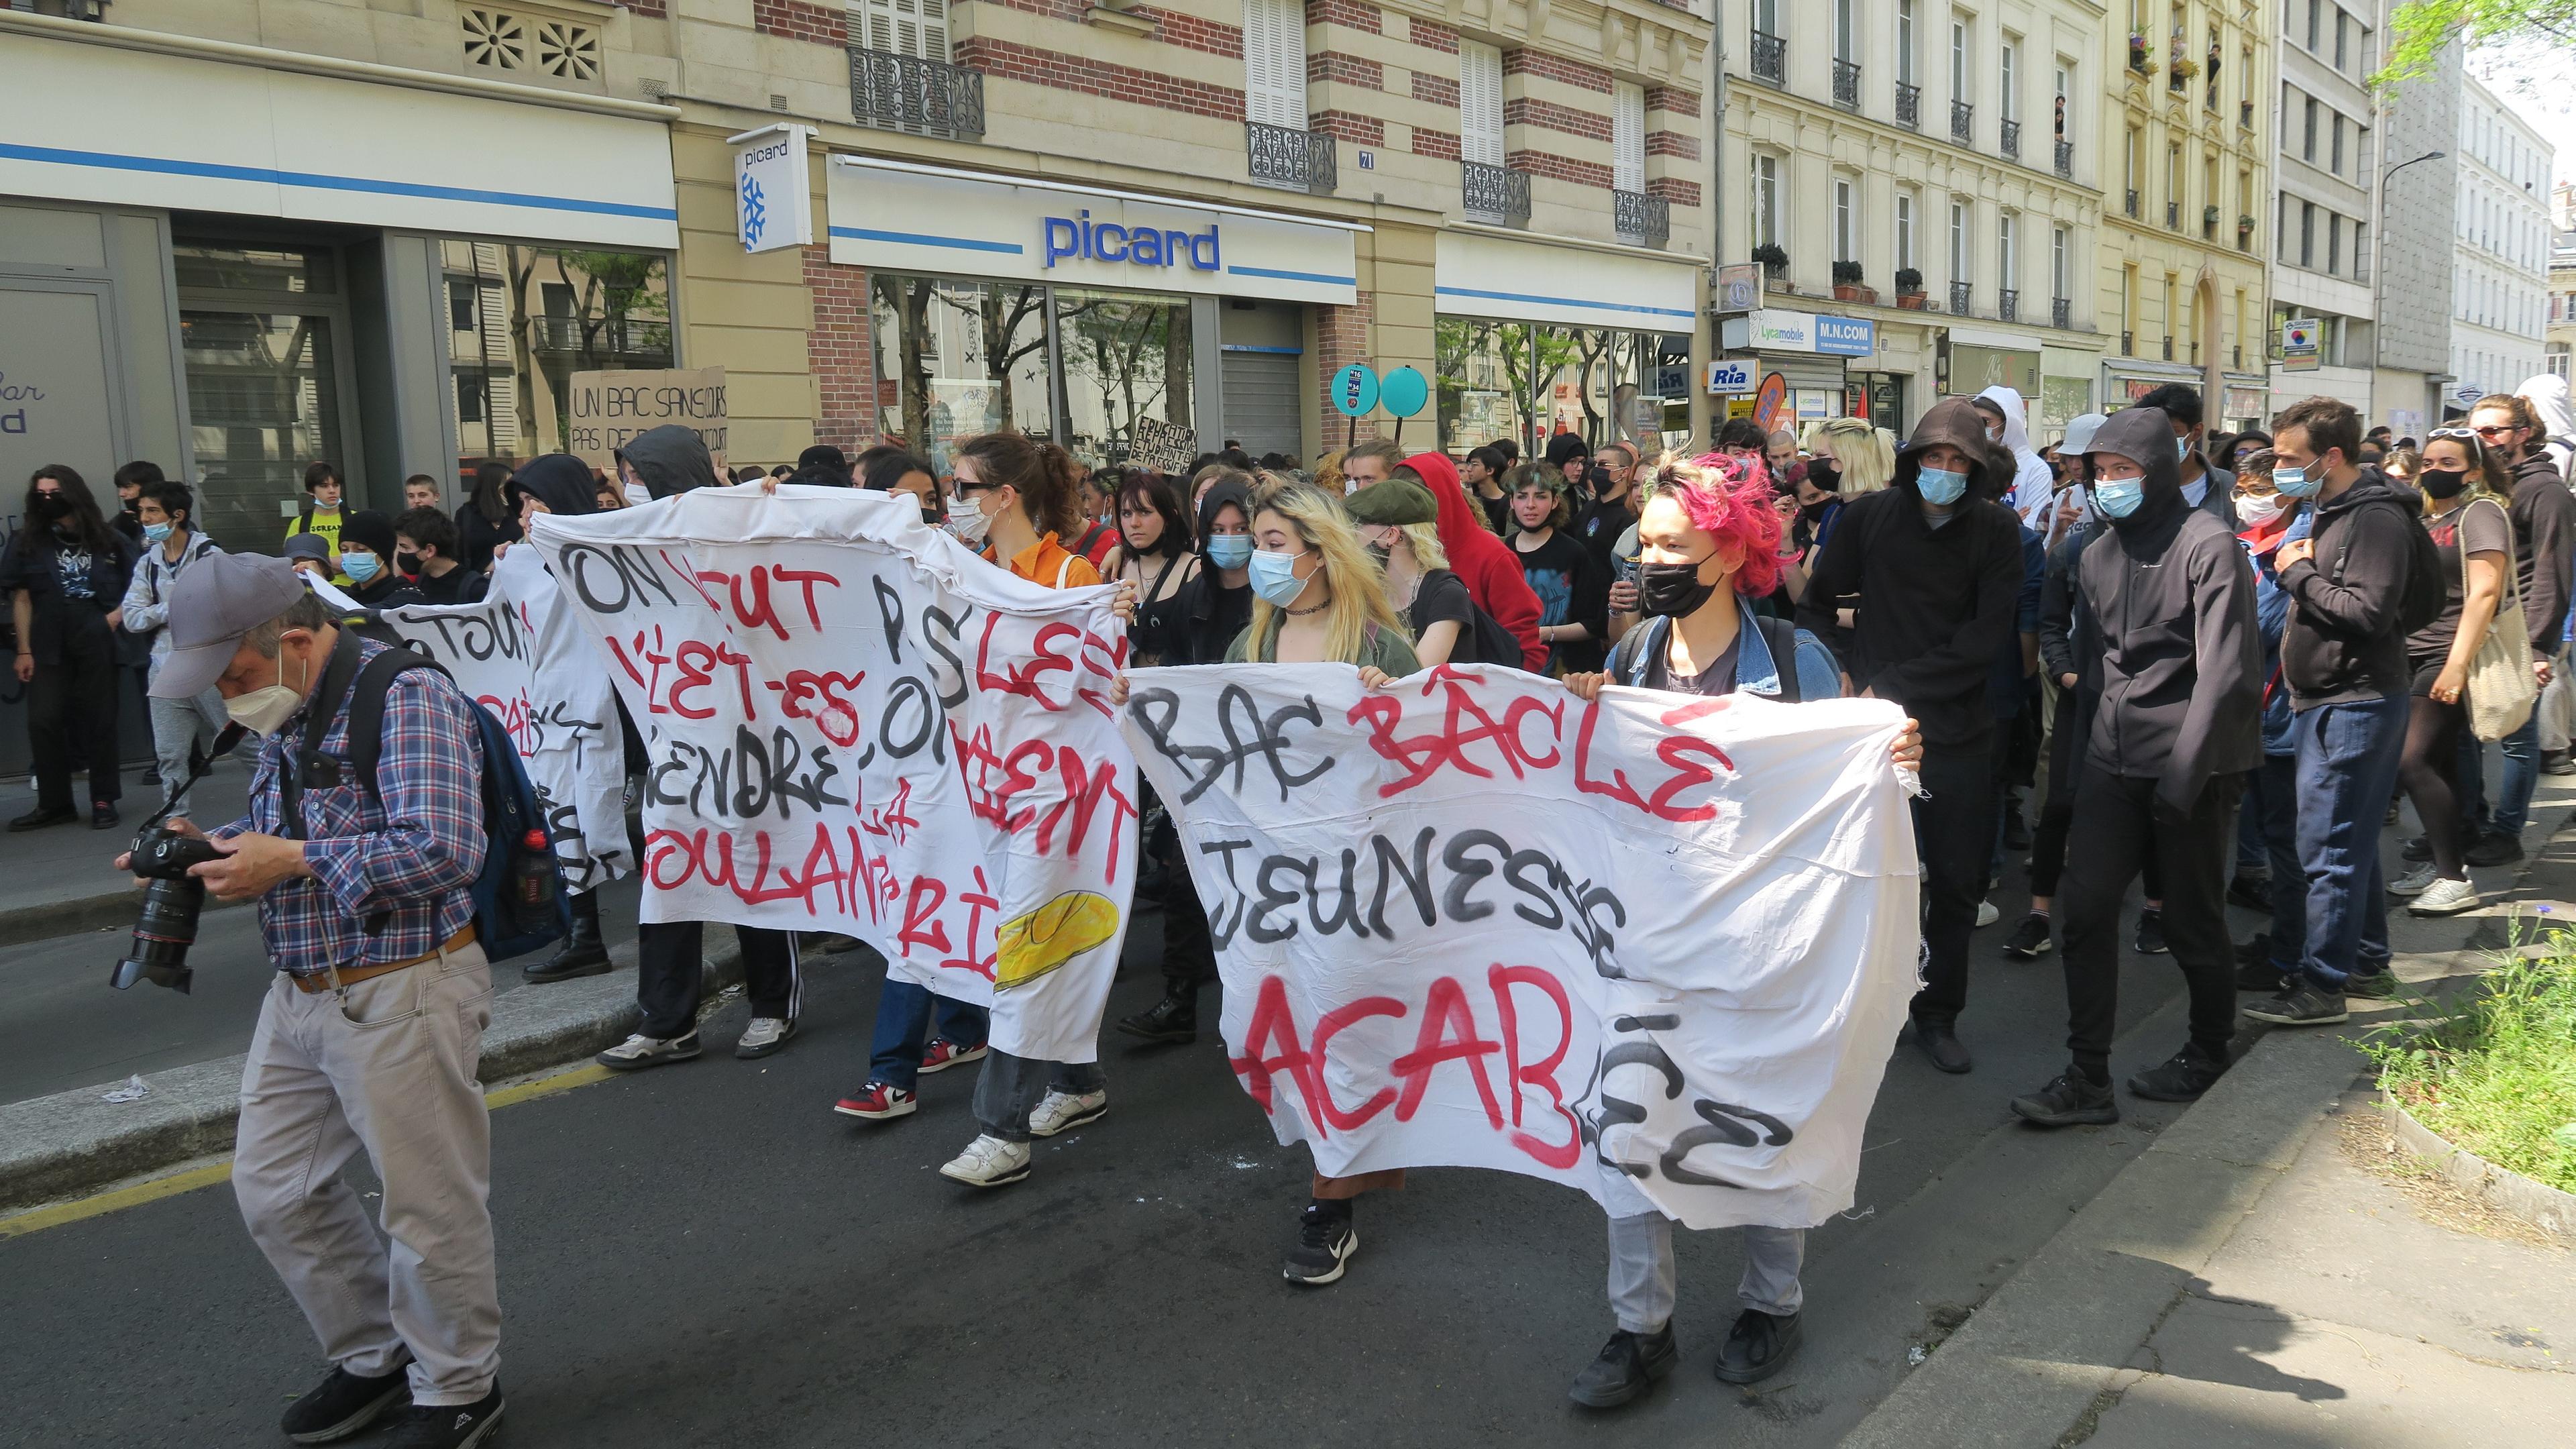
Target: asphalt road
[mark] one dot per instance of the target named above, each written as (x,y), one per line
(706,1255)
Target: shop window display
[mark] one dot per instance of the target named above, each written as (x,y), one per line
(1526,380)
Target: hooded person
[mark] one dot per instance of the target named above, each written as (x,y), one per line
(2547,394)
(2171,600)
(1938,570)
(822,465)
(558,481)
(667,460)
(1215,604)
(1492,574)
(2033,486)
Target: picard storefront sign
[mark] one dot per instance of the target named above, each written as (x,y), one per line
(771,210)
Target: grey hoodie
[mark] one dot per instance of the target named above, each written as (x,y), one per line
(670,459)
(2172,596)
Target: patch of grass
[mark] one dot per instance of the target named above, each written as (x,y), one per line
(2497,1074)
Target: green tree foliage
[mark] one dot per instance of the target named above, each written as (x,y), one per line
(2421,28)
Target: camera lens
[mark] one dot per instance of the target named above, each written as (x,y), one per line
(162,935)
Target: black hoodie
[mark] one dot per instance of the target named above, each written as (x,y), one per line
(671,459)
(561,482)
(1209,615)
(1936,604)
(2342,643)
(2544,533)
(2171,595)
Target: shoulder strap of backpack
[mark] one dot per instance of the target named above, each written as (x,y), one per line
(1628,657)
(367,711)
(304,515)
(1782,637)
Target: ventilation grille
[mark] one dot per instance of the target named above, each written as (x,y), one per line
(527,44)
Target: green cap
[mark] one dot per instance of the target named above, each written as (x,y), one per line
(1397,501)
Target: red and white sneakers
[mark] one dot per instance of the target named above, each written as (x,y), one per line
(877,1102)
(942,1054)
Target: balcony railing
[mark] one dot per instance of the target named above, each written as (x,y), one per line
(2061,313)
(1290,159)
(1909,106)
(907,93)
(1963,122)
(1847,84)
(2012,138)
(1961,294)
(1495,195)
(2007,305)
(1770,58)
(2173,215)
(2066,159)
(2131,206)
(604,336)
(1642,220)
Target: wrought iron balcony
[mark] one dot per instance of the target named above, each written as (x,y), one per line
(1494,194)
(2173,215)
(1961,294)
(2132,204)
(2012,139)
(2061,313)
(2128,343)
(1847,84)
(1770,58)
(1290,159)
(907,93)
(1909,105)
(1963,122)
(1642,220)
(2007,305)
(2066,159)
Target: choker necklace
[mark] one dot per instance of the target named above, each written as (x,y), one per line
(1302,613)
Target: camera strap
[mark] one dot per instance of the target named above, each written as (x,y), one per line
(307,764)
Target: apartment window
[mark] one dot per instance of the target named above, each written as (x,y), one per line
(2128,305)
(2281,227)
(1958,58)
(2308,143)
(1846,223)
(1958,241)
(1766,200)
(2065,88)
(469,398)
(1905,41)
(461,306)
(2316,14)
(2334,243)
(1480,103)
(1628,136)
(2343,40)
(2169,310)
(2360,252)
(1846,33)
(2307,233)
(1274,63)
(1904,229)
(2007,255)
(2173,175)
(2005,58)
(2337,166)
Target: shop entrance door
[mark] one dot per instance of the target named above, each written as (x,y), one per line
(264,331)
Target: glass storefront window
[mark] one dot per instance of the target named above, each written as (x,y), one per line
(521,320)
(1525,381)
(958,358)
(1126,358)
(263,391)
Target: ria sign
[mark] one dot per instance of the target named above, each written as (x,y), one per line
(1078,237)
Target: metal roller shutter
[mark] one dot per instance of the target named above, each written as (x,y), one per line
(1261,403)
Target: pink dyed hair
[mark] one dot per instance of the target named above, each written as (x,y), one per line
(1730,500)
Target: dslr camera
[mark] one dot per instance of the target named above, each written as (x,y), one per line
(161,855)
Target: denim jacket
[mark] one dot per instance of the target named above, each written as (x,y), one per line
(1757,670)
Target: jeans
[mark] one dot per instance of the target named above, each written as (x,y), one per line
(1954,824)
(2124,827)
(2521,777)
(2272,803)
(2347,773)
(1011,1088)
(903,1020)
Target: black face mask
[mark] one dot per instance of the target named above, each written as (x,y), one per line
(1672,589)
(933,517)
(1824,477)
(2442,482)
(50,506)
(407,562)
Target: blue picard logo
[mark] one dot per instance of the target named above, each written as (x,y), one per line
(1107,241)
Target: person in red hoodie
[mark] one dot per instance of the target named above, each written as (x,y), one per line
(1492,574)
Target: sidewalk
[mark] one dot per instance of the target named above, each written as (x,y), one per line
(2255,1278)
(59,880)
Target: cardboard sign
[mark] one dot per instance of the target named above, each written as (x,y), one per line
(1470,920)
(1159,444)
(606,409)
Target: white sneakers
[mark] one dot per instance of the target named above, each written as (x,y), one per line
(2414,881)
(1063,1111)
(2443,897)
(1987,914)
(988,1161)
(640,1051)
(766,1034)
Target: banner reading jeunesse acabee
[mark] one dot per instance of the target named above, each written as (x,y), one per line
(1474,921)
(858,725)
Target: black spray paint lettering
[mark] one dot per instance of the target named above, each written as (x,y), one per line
(1351,894)
(614,578)
(1721,1122)
(1157,710)
(748,778)
(480,637)
(942,634)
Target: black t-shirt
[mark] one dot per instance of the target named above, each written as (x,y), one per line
(1717,678)
(1599,525)
(449,589)
(1498,513)
(2478,527)
(1211,615)
(1159,633)
(1443,595)
(1573,587)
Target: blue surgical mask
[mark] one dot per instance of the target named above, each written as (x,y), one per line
(2120,497)
(2182,449)
(2293,481)
(1940,487)
(156,532)
(1229,550)
(359,566)
(1274,577)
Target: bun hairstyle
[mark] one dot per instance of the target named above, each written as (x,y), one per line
(1729,498)
(1042,472)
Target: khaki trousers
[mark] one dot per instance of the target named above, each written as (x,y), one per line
(388,1065)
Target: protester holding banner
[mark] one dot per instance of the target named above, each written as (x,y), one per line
(1398,521)
(891,468)
(1485,563)
(1153,557)
(1938,566)
(489,517)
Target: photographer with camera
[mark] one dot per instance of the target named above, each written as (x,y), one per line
(370,1034)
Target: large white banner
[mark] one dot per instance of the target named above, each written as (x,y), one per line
(1473,921)
(858,725)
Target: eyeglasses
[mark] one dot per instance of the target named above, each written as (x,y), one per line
(2488,432)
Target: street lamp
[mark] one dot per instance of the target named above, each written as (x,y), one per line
(2379,229)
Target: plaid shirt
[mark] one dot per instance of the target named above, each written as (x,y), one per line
(414,857)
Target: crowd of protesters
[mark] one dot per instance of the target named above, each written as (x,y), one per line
(2144,652)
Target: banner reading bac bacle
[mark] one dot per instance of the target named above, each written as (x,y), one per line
(858,725)
(1472,921)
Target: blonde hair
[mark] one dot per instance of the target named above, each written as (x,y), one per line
(1328,471)
(1359,590)
(1868,463)
(1425,538)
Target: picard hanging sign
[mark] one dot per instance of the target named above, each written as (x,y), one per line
(770,207)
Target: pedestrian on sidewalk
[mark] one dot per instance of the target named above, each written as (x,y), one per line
(2343,656)
(1937,565)
(2271,809)
(2172,601)
(172,544)
(66,572)
(2544,549)
(320,514)
(370,1034)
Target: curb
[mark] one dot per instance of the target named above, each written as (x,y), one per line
(78,915)
(73,1143)
(2501,1188)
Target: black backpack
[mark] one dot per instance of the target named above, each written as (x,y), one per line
(1629,658)
(2426,590)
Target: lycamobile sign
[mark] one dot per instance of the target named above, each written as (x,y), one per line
(1107,241)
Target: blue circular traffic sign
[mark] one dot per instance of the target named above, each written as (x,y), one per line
(1354,390)
(1405,393)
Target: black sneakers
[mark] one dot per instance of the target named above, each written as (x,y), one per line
(2300,1004)
(1325,1242)
(342,1405)
(2151,932)
(2182,1078)
(2249,892)
(2071,1100)
(1759,1344)
(2493,848)
(1629,1365)
(2030,939)
(1175,1018)
(1940,1041)
(448,1426)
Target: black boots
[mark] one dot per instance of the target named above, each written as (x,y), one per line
(1175,1018)
(582,953)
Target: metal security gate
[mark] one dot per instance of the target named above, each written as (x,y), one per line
(1261,403)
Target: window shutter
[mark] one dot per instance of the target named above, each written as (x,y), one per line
(1628,137)
(1480,103)
(917,28)
(1274,63)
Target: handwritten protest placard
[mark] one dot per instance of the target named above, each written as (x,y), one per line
(521,656)
(858,725)
(1474,921)
(605,409)
(1153,443)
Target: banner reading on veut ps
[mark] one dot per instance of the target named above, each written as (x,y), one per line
(858,725)
(519,655)
(1473,921)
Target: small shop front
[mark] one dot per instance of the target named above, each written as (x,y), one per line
(1812,354)
(1122,325)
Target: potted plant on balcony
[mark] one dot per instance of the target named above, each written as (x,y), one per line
(2244,227)
(1775,266)
(2142,56)
(1847,284)
(2209,216)
(1909,289)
